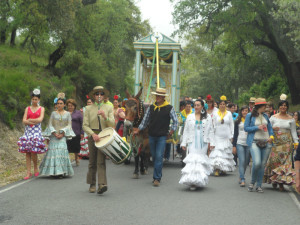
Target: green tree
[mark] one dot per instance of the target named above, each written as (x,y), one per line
(250,22)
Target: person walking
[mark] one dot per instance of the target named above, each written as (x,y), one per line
(74,143)
(157,119)
(97,117)
(84,147)
(259,138)
(297,168)
(32,142)
(57,162)
(251,103)
(240,146)
(279,166)
(297,121)
(221,155)
(197,135)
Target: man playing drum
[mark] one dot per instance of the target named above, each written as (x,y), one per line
(158,118)
(97,117)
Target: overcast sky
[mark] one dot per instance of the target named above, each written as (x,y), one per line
(159,13)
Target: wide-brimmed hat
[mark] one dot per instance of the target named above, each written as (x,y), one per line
(160,91)
(99,89)
(260,101)
(252,99)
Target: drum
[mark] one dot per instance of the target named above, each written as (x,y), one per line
(113,146)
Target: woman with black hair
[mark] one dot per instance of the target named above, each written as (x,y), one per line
(279,167)
(56,161)
(221,156)
(239,144)
(259,138)
(32,142)
(297,121)
(197,135)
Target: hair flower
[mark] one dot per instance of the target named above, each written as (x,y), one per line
(116,97)
(55,100)
(36,91)
(208,97)
(283,97)
(223,98)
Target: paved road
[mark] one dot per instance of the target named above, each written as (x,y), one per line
(129,201)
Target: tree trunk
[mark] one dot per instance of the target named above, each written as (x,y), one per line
(33,45)
(292,72)
(13,37)
(24,42)
(88,2)
(2,36)
(56,55)
(291,69)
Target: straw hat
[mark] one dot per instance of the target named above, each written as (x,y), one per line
(160,91)
(99,89)
(252,99)
(260,101)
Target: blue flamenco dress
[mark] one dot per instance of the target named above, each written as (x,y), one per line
(57,161)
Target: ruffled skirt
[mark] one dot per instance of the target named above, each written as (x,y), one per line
(221,157)
(32,141)
(279,166)
(84,147)
(56,161)
(197,168)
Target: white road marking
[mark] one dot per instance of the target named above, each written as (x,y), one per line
(293,196)
(21,183)
(16,185)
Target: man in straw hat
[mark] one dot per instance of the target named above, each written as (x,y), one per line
(251,103)
(97,117)
(157,118)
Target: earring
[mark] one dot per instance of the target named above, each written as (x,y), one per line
(202,111)
(31,103)
(38,104)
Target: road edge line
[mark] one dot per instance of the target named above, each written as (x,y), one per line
(294,198)
(14,186)
(19,184)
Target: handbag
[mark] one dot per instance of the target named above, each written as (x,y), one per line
(261,143)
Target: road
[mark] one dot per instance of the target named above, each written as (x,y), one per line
(135,201)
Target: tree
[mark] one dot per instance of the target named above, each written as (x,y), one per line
(249,22)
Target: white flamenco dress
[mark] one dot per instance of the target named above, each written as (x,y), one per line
(221,156)
(198,166)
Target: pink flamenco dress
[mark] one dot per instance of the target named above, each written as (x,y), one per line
(32,141)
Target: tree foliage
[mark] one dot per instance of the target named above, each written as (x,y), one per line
(87,42)
(261,24)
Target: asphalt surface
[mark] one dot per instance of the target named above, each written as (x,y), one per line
(45,200)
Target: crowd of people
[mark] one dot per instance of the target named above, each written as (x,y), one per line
(214,137)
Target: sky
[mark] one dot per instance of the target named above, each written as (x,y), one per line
(159,13)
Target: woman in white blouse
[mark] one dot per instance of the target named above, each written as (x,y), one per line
(221,156)
(279,166)
(197,135)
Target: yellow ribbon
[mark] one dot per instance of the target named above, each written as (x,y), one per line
(160,106)
(222,115)
(183,112)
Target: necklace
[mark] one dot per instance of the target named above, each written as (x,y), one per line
(60,114)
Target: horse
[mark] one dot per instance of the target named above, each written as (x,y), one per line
(134,111)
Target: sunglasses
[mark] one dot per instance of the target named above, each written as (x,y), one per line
(99,93)
(60,103)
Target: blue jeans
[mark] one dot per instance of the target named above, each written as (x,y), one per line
(259,158)
(157,148)
(167,151)
(243,153)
